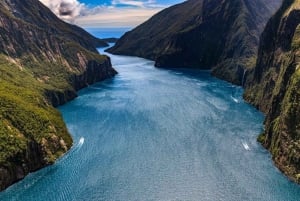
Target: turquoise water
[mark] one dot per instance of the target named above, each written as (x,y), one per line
(153,134)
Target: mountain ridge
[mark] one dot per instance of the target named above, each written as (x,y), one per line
(218,35)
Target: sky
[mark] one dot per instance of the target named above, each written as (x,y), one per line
(107,13)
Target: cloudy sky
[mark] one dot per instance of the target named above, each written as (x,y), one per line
(107,13)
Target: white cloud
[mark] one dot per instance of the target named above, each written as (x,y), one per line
(116,17)
(121,13)
(65,9)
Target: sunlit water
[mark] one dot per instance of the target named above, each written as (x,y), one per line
(153,134)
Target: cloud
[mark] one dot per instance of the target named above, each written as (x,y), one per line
(65,9)
(116,17)
(120,13)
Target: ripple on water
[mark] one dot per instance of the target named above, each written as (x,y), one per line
(154,134)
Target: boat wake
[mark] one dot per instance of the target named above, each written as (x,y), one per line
(80,143)
(246,146)
(73,150)
(235,99)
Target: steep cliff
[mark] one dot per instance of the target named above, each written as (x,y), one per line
(221,35)
(43,61)
(273,86)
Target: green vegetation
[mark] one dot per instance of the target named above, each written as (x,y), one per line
(296,39)
(274,88)
(261,138)
(26,115)
(43,61)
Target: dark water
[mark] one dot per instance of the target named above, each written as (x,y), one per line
(152,134)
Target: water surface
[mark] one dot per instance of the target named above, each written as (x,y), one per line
(116,32)
(153,134)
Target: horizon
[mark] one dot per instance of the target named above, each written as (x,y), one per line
(107,13)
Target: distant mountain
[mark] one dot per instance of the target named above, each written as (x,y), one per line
(273,86)
(43,61)
(221,35)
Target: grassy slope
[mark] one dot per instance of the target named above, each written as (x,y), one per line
(25,114)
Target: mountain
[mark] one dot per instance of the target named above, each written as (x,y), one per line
(43,62)
(221,35)
(273,86)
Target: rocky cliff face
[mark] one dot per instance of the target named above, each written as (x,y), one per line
(273,86)
(43,61)
(221,35)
